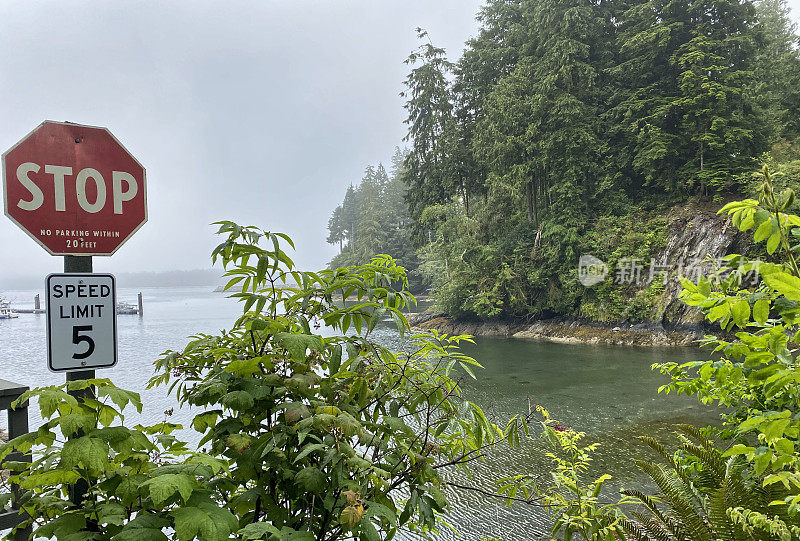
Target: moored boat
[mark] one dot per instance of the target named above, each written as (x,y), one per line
(126,308)
(5,310)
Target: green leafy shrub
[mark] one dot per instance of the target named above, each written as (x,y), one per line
(309,436)
(140,480)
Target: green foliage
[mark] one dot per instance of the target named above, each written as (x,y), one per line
(756,371)
(308,436)
(748,487)
(698,490)
(141,480)
(572,501)
(373,219)
(564,114)
(333,435)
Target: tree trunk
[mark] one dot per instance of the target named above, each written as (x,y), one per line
(702,157)
(702,167)
(529,200)
(465,196)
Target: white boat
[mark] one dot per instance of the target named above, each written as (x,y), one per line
(5,310)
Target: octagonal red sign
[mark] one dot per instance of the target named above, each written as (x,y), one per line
(75,189)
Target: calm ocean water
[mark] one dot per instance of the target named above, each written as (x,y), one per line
(607,392)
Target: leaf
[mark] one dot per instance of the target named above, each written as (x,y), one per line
(296,411)
(738,449)
(50,398)
(121,397)
(164,486)
(52,477)
(438,497)
(204,421)
(375,509)
(112,513)
(741,312)
(336,359)
(239,442)
(238,400)
(761,311)
(349,425)
(205,520)
(90,453)
(307,449)
(296,344)
(368,532)
(62,526)
(106,415)
(784,283)
(71,423)
(351,515)
(773,430)
(763,231)
(129,489)
(773,242)
(145,527)
(311,479)
(245,367)
(258,530)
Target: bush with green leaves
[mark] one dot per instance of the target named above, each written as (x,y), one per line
(755,369)
(139,481)
(305,436)
(747,486)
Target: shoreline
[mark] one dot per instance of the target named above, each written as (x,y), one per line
(562,331)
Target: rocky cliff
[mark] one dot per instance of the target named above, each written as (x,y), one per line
(696,237)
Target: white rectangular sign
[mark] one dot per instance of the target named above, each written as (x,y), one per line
(81,321)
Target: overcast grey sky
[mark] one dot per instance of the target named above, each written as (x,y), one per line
(261,112)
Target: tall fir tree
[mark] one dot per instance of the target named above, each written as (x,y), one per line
(430,113)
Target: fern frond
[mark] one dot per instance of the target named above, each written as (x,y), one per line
(636,531)
(696,434)
(655,529)
(679,496)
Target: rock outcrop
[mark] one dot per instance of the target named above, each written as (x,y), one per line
(693,235)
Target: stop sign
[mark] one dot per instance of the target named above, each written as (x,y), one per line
(75,189)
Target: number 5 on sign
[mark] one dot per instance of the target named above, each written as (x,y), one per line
(81,321)
(77,338)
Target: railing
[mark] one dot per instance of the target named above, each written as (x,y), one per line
(17,426)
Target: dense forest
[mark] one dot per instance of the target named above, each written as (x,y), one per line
(569,127)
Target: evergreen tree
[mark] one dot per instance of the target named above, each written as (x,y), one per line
(560,119)
(350,213)
(336,231)
(778,68)
(430,110)
(719,114)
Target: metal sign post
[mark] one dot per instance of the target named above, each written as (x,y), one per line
(79,264)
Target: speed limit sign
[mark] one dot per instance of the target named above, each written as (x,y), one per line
(81,322)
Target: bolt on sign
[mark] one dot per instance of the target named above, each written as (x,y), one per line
(75,189)
(81,321)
